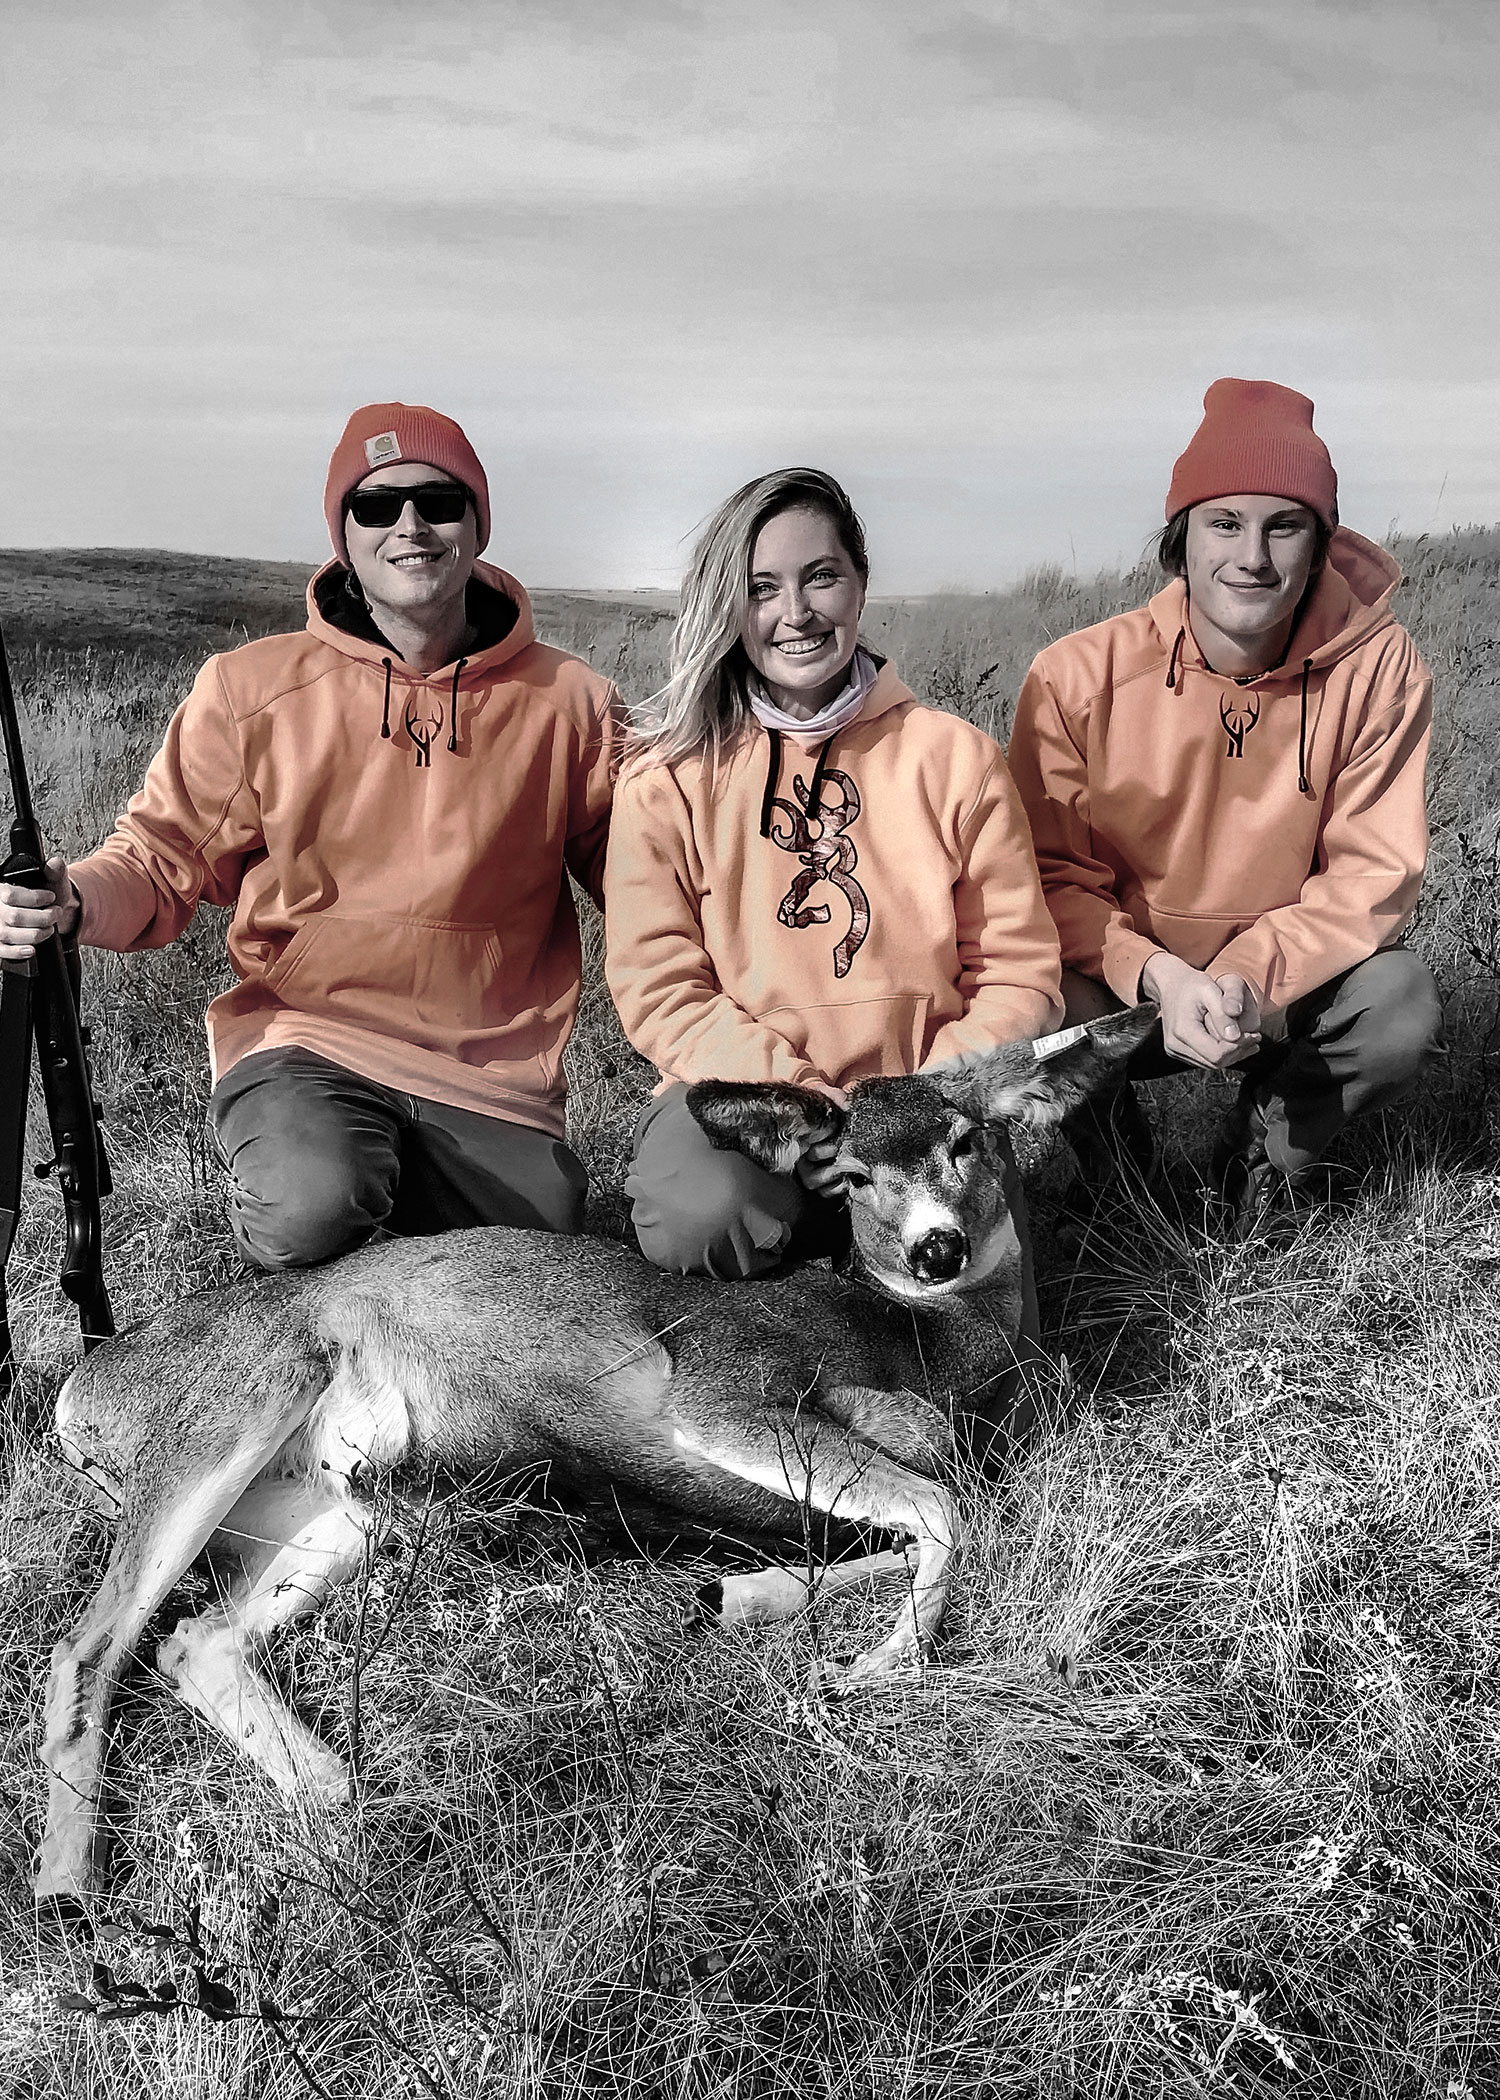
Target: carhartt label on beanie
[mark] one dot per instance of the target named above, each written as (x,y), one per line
(1256,439)
(388,431)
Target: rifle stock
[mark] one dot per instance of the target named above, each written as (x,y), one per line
(46,1012)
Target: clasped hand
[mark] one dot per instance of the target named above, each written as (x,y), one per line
(1210,1021)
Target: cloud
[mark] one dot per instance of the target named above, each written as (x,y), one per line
(981,259)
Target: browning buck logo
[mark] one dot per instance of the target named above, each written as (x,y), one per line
(829,857)
(1239,712)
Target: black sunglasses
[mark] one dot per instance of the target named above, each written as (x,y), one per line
(437,503)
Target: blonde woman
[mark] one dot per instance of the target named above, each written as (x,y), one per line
(812,876)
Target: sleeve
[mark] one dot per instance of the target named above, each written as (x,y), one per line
(185,838)
(1051,771)
(591,794)
(1010,970)
(1372,850)
(668,996)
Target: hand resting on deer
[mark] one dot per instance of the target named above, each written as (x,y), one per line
(256,1420)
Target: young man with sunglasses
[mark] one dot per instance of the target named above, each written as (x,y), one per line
(390,803)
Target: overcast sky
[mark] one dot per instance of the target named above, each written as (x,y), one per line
(980,260)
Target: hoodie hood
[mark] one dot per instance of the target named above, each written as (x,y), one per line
(1350,602)
(497,605)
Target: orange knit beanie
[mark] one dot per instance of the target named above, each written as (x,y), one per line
(1256,439)
(387,432)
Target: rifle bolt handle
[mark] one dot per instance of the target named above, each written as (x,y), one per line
(43,1168)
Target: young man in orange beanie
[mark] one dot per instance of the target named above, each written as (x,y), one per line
(1226,789)
(390,803)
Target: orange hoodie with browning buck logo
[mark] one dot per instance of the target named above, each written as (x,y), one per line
(828,911)
(1276,830)
(394,849)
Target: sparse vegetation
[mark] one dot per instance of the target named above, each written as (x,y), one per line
(1197,1800)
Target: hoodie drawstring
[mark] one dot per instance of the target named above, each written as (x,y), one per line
(458,670)
(773,781)
(815,792)
(1237,734)
(385,708)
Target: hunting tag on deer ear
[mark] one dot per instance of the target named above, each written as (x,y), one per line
(1046,1046)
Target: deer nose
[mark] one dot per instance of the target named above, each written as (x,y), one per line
(938,1255)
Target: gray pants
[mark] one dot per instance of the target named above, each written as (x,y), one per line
(1356,1043)
(701,1212)
(318,1158)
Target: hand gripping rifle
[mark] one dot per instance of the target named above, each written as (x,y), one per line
(39,1004)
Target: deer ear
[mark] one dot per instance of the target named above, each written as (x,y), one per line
(1039,1082)
(772,1124)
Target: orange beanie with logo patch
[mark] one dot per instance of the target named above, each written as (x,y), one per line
(388,433)
(1256,439)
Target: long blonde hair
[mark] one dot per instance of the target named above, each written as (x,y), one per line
(704,702)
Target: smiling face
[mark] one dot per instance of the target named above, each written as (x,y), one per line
(1248,562)
(412,570)
(802,622)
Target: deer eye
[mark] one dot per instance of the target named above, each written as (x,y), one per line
(855,1176)
(966,1142)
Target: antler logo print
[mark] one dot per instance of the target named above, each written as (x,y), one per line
(421,729)
(1239,716)
(829,857)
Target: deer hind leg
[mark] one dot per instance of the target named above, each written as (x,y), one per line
(153,1548)
(293,1541)
(817,1464)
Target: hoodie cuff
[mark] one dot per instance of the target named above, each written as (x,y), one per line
(117,903)
(1125,956)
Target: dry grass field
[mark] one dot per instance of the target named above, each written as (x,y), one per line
(1200,1797)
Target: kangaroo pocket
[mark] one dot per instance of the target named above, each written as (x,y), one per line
(857,1038)
(1196,937)
(435,983)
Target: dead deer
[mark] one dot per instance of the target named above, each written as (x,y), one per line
(257,1420)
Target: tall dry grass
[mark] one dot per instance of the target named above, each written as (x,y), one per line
(1198,1800)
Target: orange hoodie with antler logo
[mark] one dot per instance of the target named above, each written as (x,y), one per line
(814,909)
(1274,830)
(394,849)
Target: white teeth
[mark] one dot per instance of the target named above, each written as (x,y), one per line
(801,647)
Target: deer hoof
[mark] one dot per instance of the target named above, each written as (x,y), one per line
(845,1679)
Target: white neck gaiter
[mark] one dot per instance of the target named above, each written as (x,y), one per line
(837,714)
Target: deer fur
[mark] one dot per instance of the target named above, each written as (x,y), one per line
(258,1420)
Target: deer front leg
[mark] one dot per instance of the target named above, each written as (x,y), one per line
(819,1465)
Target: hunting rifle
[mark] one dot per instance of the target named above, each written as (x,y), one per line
(39,1004)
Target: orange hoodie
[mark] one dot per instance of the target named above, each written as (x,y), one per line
(405,914)
(746,941)
(1151,835)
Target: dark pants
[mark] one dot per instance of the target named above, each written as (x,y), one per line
(318,1158)
(1358,1042)
(701,1212)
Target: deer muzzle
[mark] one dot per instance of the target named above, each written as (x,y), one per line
(939,1255)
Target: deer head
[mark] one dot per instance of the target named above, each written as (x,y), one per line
(926,1157)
